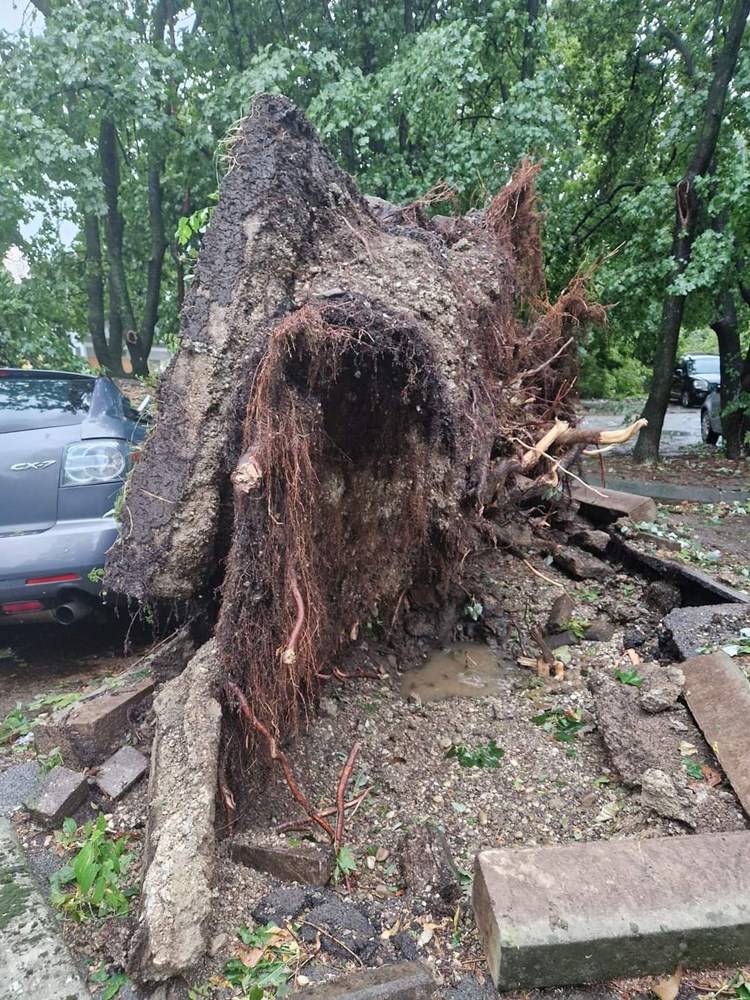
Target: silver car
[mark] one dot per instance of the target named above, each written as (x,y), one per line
(711,417)
(66,445)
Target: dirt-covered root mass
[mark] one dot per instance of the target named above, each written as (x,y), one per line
(357,388)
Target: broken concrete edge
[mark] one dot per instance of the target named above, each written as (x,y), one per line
(696,587)
(306,865)
(683,629)
(60,793)
(546,918)
(604,502)
(664,492)
(400,981)
(35,960)
(180,847)
(718,696)
(121,771)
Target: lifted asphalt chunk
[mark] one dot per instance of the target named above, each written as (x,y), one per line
(591,912)
(34,960)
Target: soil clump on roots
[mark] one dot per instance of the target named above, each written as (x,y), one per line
(361,394)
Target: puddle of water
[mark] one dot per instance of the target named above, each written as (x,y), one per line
(465,670)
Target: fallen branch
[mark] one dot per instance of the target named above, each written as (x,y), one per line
(279,755)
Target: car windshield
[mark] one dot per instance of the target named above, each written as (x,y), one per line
(30,403)
(706,364)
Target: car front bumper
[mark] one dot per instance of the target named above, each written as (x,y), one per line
(69,549)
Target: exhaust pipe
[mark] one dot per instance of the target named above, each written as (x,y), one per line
(72,611)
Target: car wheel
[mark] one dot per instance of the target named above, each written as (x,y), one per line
(708,436)
(685,398)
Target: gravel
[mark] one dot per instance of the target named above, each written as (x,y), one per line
(16,784)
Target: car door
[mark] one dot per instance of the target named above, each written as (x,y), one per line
(677,380)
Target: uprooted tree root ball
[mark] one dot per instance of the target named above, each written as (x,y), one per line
(359,390)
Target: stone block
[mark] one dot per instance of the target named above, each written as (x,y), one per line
(35,960)
(306,865)
(718,695)
(601,503)
(582,566)
(59,795)
(593,912)
(92,729)
(401,981)
(118,774)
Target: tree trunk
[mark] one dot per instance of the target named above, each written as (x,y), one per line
(730,351)
(528,61)
(686,206)
(142,349)
(95,297)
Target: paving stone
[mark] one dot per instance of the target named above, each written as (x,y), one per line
(718,695)
(401,981)
(593,540)
(598,911)
(602,503)
(17,783)
(121,771)
(307,865)
(92,729)
(35,961)
(58,796)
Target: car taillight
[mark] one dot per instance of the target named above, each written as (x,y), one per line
(93,462)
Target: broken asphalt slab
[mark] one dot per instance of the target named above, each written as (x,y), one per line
(402,981)
(34,960)
(597,911)
(118,774)
(689,630)
(718,695)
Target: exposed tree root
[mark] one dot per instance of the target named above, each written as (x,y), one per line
(346,773)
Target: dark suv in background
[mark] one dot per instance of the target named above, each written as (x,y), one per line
(694,377)
(67,442)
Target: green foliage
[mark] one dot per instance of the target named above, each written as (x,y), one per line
(693,768)
(474,609)
(629,677)
(16,723)
(110,983)
(47,761)
(270,974)
(564,724)
(344,864)
(94,884)
(483,756)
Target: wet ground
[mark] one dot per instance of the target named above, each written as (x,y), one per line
(682,427)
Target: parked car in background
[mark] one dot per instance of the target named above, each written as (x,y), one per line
(711,417)
(694,377)
(67,442)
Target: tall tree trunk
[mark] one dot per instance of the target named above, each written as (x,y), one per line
(155,263)
(528,60)
(95,297)
(730,351)
(686,206)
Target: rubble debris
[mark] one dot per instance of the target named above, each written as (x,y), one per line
(560,614)
(17,784)
(685,631)
(120,772)
(429,871)
(170,657)
(35,959)
(663,596)
(307,865)
(180,838)
(718,696)
(605,505)
(666,796)
(401,981)
(88,731)
(280,905)
(343,929)
(546,918)
(59,795)
(592,540)
(582,566)
(662,686)
(599,630)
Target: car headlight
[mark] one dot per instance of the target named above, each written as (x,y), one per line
(700,383)
(93,462)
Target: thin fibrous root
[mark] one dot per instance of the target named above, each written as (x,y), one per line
(279,755)
(301,824)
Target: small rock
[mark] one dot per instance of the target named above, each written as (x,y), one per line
(560,639)
(370,862)
(382,854)
(582,566)
(483,817)
(660,792)
(218,943)
(592,540)
(381,889)
(58,796)
(662,596)
(445,742)
(633,638)
(661,687)
(405,946)
(560,614)
(600,630)
(329,707)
